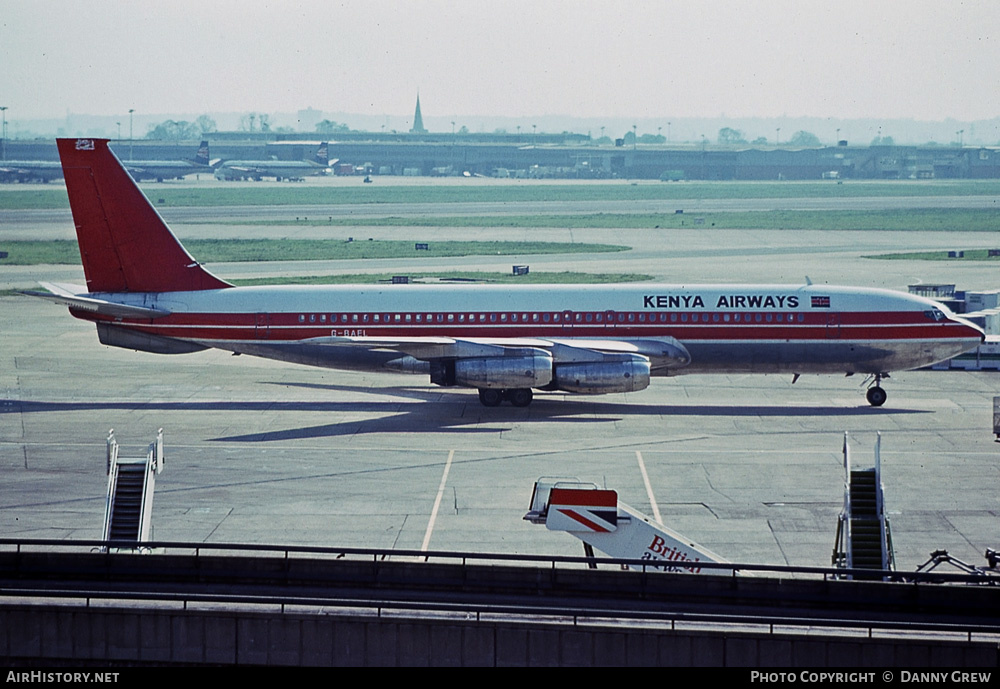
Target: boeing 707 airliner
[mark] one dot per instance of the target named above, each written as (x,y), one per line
(145,292)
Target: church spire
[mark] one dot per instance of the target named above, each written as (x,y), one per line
(418,120)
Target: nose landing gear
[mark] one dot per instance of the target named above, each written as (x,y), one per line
(876,395)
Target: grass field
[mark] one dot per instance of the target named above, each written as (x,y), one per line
(967,255)
(915,220)
(385,192)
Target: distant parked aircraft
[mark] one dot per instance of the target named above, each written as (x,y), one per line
(169,169)
(279,169)
(25,171)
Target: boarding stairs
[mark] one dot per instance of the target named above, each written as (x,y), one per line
(597,518)
(131,482)
(864,536)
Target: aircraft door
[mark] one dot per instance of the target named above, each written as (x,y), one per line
(833,326)
(262,326)
(567,320)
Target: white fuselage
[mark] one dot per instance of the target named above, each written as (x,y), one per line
(725,328)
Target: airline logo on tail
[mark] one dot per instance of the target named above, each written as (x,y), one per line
(583,510)
(201,158)
(85,144)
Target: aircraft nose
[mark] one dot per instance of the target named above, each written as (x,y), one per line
(971,329)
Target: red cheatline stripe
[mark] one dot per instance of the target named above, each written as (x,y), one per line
(367,319)
(576,516)
(683,333)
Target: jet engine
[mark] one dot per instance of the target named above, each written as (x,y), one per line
(596,378)
(503,372)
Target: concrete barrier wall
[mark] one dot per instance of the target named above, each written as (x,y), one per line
(101,636)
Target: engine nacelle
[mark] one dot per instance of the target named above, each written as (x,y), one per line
(115,336)
(597,378)
(501,372)
(504,372)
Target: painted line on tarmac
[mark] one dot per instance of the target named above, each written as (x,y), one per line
(649,488)
(437,502)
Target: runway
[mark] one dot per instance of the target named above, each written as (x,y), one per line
(265,452)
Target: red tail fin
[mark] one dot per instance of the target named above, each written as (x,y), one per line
(124,243)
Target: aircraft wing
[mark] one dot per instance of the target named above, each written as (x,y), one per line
(662,353)
(76,297)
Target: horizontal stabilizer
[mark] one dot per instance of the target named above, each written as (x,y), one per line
(67,294)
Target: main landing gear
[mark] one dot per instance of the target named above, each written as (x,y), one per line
(876,395)
(519,397)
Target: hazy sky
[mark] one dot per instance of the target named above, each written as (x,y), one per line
(922,59)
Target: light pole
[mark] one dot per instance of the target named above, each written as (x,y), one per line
(119,131)
(130,111)
(777,136)
(635,138)
(668,131)
(3,151)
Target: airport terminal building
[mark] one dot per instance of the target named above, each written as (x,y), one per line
(567,156)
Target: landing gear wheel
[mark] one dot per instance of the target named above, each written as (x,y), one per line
(876,396)
(520,397)
(490,397)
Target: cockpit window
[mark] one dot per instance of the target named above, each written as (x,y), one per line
(935,314)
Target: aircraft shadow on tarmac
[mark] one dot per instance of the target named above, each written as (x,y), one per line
(435,411)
